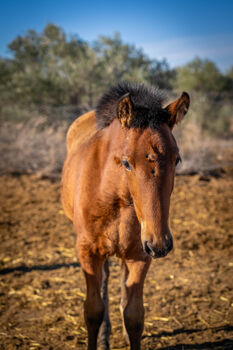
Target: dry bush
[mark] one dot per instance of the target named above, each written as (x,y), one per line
(38,146)
(200,151)
(213,112)
(34,146)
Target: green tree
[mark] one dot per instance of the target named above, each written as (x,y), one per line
(53,69)
(229,81)
(119,61)
(6,72)
(199,75)
(160,74)
(50,68)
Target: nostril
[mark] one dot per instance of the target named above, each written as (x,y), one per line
(156,251)
(148,248)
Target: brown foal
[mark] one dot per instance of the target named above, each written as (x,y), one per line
(116,186)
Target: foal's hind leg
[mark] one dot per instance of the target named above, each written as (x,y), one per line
(94,307)
(105,328)
(124,276)
(132,301)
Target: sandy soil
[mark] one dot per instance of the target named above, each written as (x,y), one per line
(188,295)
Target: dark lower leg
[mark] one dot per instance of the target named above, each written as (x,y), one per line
(133,300)
(94,307)
(94,314)
(105,329)
(134,318)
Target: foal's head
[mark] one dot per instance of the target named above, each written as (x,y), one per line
(149,157)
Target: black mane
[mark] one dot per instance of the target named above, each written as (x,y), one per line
(147,101)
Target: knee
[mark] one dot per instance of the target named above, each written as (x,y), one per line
(94,314)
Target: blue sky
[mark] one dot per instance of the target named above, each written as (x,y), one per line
(177,30)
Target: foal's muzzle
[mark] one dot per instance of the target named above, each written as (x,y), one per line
(158,252)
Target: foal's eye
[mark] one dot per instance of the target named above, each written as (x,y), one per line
(126,165)
(178,160)
(153,171)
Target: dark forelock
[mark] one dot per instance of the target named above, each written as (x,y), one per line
(147,102)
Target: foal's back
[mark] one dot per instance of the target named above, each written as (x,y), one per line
(79,133)
(81,130)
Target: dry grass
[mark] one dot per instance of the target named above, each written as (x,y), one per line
(199,151)
(32,147)
(188,296)
(39,147)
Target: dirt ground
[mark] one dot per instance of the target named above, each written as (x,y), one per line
(188,295)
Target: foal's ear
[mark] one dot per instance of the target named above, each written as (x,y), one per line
(177,109)
(125,110)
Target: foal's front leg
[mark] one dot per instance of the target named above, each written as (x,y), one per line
(133,273)
(94,306)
